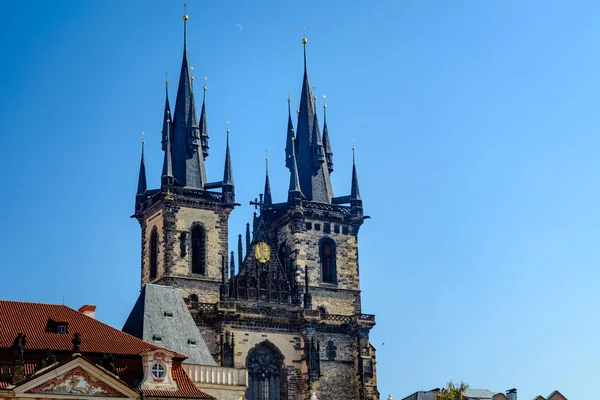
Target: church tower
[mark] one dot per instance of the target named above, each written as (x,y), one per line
(184,222)
(291,312)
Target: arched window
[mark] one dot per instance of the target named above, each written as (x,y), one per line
(198,250)
(267,378)
(327,253)
(153,253)
(193,298)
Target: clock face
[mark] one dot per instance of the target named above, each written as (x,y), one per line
(262,252)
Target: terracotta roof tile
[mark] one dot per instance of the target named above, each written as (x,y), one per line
(32,319)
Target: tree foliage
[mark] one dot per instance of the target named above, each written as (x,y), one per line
(452,391)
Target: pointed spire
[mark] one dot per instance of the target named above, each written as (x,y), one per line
(228,171)
(247,237)
(188,162)
(289,142)
(142,185)
(355,199)
(326,141)
(240,250)
(268,199)
(228,188)
(166,115)
(312,175)
(294,193)
(203,124)
(232,262)
(167,171)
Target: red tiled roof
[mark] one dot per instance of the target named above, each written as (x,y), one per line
(32,319)
(187,388)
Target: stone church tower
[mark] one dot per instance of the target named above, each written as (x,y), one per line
(291,311)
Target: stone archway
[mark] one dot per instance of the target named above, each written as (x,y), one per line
(267,376)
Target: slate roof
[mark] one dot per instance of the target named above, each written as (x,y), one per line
(422,395)
(149,319)
(479,394)
(34,320)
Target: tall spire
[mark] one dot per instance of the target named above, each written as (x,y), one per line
(166,115)
(268,199)
(188,162)
(289,142)
(142,185)
(326,141)
(313,176)
(355,199)
(203,124)
(294,193)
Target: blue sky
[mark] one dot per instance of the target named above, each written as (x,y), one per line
(477,134)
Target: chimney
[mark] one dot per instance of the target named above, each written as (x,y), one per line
(511,394)
(90,311)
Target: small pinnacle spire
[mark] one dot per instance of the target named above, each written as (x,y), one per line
(268,198)
(228,171)
(203,123)
(142,185)
(355,191)
(326,141)
(247,237)
(289,141)
(294,192)
(167,172)
(166,114)
(232,261)
(240,250)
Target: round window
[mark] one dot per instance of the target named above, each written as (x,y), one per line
(158,371)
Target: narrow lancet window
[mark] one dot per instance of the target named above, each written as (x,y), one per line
(153,253)
(198,250)
(327,253)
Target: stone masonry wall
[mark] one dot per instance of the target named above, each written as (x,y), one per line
(153,221)
(342,297)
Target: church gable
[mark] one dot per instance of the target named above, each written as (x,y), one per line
(77,377)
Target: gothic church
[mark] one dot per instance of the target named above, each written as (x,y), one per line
(290,313)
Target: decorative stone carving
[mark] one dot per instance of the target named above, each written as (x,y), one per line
(77,382)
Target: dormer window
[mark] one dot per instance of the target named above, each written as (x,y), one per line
(60,327)
(157,338)
(192,343)
(158,371)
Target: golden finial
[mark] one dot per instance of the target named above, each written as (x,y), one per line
(324,102)
(297,109)
(227,131)
(166,78)
(185,17)
(304,36)
(204,83)
(353,148)
(168,120)
(143,141)
(288,95)
(293,138)
(266,155)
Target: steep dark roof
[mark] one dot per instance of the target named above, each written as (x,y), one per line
(150,319)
